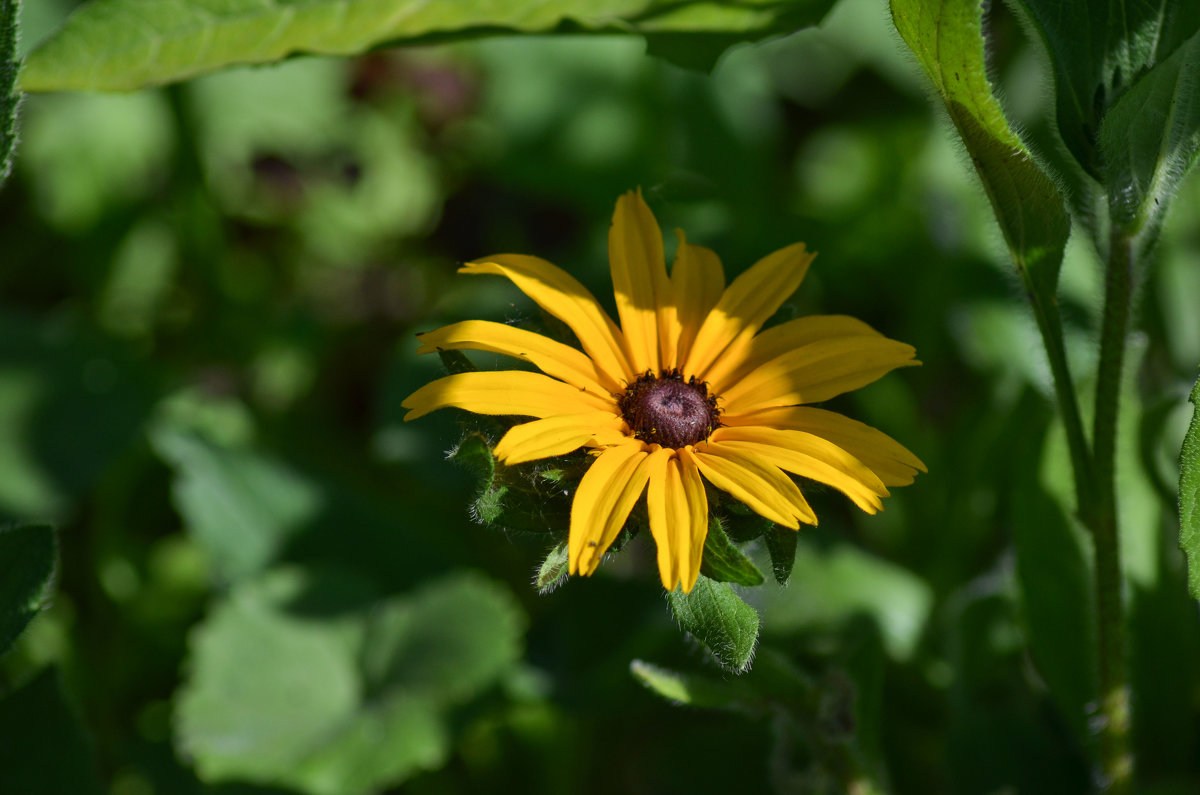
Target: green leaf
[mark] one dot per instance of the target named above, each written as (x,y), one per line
(10,97)
(27,563)
(692,690)
(456,362)
(1189,496)
(43,746)
(947,38)
(121,45)
(241,505)
(553,570)
(717,617)
(527,498)
(723,561)
(1150,137)
(287,690)
(781,544)
(1098,50)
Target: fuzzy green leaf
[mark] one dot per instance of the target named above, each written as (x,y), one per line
(1189,496)
(723,561)
(947,38)
(121,45)
(717,617)
(344,700)
(781,544)
(527,498)
(553,570)
(1150,137)
(27,563)
(10,97)
(1097,51)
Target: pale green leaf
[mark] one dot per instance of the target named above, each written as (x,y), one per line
(1189,496)
(553,570)
(692,690)
(717,617)
(947,38)
(128,44)
(1150,138)
(27,564)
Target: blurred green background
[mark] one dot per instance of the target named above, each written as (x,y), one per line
(209,297)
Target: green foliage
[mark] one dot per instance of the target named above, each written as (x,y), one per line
(716,616)
(303,680)
(723,561)
(1189,496)
(553,571)
(28,555)
(947,37)
(120,45)
(44,747)
(10,97)
(691,690)
(781,544)
(525,498)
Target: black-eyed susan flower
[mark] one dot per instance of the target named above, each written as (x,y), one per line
(687,388)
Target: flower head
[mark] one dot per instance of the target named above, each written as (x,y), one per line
(687,388)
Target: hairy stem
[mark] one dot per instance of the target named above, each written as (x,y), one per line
(1115,756)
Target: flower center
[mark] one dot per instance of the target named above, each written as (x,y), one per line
(669,411)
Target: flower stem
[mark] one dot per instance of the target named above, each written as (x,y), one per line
(1115,757)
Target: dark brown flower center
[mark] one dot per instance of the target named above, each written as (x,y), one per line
(669,411)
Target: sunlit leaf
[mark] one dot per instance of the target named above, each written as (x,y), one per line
(27,563)
(947,38)
(288,689)
(723,561)
(10,97)
(553,570)
(128,44)
(691,690)
(717,617)
(1189,496)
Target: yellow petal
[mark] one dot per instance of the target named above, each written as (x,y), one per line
(697,523)
(749,353)
(639,274)
(746,304)
(891,461)
(760,485)
(602,503)
(697,281)
(816,372)
(809,456)
(549,356)
(504,392)
(663,491)
(563,296)
(553,436)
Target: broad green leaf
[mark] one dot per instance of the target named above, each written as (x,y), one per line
(693,690)
(717,617)
(553,570)
(241,505)
(287,689)
(27,564)
(947,38)
(43,746)
(1150,138)
(723,561)
(1189,496)
(1098,50)
(121,45)
(781,544)
(10,97)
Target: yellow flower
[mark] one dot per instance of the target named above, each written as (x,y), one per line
(688,386)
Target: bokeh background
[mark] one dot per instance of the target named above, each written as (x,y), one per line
(207,306)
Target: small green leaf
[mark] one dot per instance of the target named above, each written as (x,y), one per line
(947,38)
(692,690)
(717,617)
(43,746)
(781,543)
(122,45)
(456,362)
(1150,138)
(27,563)
(10,97)
(528,498)
(1189,496)
(723,561)
(553,570)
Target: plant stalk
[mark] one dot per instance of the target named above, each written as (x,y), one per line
(1115,757)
